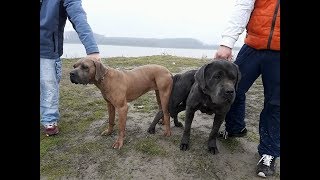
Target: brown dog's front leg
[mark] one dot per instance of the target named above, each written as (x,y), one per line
(122,126)
(112,114)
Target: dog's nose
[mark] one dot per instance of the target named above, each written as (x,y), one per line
(229,92)
(72,74)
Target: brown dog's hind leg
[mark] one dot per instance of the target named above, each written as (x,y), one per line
(122,126)
(112,113)
(160,107)
(164,96)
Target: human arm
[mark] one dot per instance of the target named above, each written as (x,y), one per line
(78,18)
(236,24)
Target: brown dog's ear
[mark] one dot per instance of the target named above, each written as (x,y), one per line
(238,76)
(199,76)
(77,63)
(100,70)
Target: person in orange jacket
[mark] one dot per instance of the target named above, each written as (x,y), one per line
(260,55)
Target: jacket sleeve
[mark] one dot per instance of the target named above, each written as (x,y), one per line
(237,22)
(78,18)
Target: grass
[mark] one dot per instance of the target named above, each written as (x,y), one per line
(253,137)
(146,103)
(84,115)
(182,116)
(77,102)
(173,63)
(150,147)
(232,144)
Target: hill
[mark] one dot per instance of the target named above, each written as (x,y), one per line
(186,43)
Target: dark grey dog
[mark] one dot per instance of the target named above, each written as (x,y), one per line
(182,84)
(212,92)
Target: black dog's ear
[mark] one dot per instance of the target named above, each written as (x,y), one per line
(238,76)
(199,76)
(100,70)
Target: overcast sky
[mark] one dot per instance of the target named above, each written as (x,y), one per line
(200,19)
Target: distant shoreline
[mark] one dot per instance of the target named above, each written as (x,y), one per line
(204,48)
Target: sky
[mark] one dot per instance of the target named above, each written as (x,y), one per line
(200,19)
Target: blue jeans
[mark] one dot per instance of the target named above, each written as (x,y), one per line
(50,75)
(253,63)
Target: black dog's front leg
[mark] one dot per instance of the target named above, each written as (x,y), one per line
(212,144)
(184,145)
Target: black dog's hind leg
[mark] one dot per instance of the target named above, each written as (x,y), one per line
(156,119)
(180,108)
(212,144)
(184,145)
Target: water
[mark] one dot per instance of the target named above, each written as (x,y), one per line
(78,51)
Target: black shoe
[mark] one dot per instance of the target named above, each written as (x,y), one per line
(266,166)
(225,134)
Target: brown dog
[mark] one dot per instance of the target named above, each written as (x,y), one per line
(119,87)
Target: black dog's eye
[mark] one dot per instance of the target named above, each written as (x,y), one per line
(218,76)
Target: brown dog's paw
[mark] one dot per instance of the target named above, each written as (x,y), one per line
(167,133)
(117,144)
(106,132)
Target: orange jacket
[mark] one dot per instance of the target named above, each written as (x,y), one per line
(263,28)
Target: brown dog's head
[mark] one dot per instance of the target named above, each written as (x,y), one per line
(87,71)
(219,79)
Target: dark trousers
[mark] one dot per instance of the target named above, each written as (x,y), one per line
(253,63)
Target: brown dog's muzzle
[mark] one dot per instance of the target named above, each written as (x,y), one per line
(77,79)
(73,77)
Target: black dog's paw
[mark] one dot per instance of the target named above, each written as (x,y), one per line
(151,130)
(184,146)
(213,150)
(178,124)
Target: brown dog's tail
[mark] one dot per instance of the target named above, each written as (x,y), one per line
(170,106)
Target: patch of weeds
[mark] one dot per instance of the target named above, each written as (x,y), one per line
(87,148)
(47,143)
(182,116)
(253,137)
(231,144)
(146,103)
(175,139)
(173,63)
(107,166)
(57,166)
(149,146)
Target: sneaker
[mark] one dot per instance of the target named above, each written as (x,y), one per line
(224,134)
(51,129)
(266,166)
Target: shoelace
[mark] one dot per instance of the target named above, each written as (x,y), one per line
(266,159)
(224,134)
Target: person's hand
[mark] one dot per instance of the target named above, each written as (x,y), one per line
(224,52)
(94,56)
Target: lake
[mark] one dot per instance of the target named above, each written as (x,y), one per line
(78,51)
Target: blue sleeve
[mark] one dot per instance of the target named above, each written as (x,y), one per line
(78,19)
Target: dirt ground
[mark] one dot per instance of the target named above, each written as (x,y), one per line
(80,152)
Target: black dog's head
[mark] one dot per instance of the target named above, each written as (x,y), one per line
(87,71)
(219,79)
